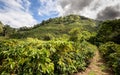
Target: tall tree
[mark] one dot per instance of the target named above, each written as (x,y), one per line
(7,31)
(1,27)
(109,31)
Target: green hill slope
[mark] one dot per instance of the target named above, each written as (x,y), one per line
(56,27)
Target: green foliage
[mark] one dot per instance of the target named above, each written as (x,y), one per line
(48,37)
(7,31)
(107,39)
(56,26)
(77,34)
(63,51)
(18,57)
(35,57)
(111,52)
(109,31)
(1,27)
(24,28)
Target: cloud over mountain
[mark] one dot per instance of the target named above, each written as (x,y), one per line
(88,8)
(20,13)
(73,6)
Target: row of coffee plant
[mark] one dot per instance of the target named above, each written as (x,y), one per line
(35,57)
(111,52)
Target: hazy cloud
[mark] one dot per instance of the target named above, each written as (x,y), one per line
(63,7)
(111,12)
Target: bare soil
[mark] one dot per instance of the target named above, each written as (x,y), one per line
(97,67)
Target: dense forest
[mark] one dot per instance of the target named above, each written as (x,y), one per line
(59,46)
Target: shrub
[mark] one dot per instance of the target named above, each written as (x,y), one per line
(33,56)
(111,53)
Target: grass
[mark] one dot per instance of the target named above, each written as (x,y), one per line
(91,73)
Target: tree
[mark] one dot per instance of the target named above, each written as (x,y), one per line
(1,27)
(7,31)
(109,31)
(75,35)
(48,37)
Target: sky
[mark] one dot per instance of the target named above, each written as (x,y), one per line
(19,13)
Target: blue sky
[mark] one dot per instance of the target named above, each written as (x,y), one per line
(19,13)
(34,8)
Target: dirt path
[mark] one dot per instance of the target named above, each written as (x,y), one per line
(97,67)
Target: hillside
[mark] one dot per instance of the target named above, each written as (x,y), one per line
(56,27)
(61,46)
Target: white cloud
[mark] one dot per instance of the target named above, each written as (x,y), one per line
(48,7)
(96,6)
(16,13)
(88,8)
